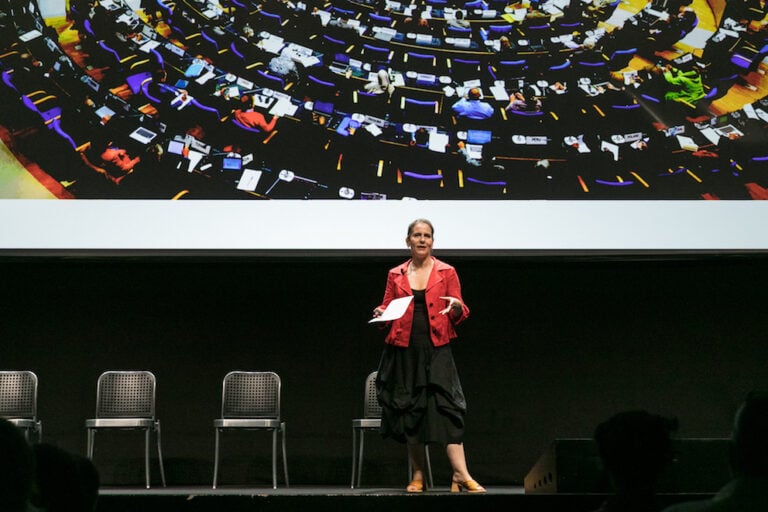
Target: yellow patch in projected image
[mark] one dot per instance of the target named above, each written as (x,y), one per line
(16,182)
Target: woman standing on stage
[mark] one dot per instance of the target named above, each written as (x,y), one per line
(417,383)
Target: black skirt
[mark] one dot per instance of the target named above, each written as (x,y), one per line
(419,389)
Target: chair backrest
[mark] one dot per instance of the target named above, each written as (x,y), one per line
(344,12)
(88,27)
(332,41)
(18,394)
(459,30)
(322,83)
(135,80)
(565,64)
(509,69)
(464,66)
(426,58)
(271,20)
(166,8)
(270,15)
(251,395)
(377,19)
(272,78)
(236,51)
(371,407)
(110,50)
(378,54)
(429,107)
(7,80)
(206,108)
(500,30)
(210,39)
(57,128)
(126,394)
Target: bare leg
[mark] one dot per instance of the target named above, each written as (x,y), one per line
(461,474)
(458,462)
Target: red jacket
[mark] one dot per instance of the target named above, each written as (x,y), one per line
(443,282)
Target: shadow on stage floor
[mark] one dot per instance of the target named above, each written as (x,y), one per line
(245,499)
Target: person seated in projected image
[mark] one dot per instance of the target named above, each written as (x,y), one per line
(748,490)
(416,23)
(524,100)
(687,86)
(506,50)
(635,448)
(251,118)
(472,106)
(380,84)
(110,160)
(283,66)
(458,21)
(663,34)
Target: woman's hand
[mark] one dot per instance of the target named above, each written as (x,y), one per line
(377,312)
(454,306)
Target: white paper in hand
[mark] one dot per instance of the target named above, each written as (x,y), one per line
(394,310)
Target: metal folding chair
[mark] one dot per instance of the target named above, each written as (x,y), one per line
(18,401)
(251,401)
(371,422)
(125,400)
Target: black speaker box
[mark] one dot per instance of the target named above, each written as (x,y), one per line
(573,466)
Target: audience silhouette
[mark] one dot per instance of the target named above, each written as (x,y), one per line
(16,469)
(65,482)
(635,448)
(43,477)
(748,490)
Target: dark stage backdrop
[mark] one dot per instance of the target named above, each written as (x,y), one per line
(554,345)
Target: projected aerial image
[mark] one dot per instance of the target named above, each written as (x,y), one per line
(385,100)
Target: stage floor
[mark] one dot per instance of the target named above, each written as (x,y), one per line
(344,499)
(298,490)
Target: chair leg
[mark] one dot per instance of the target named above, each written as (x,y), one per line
(428,468)
(89,447)
(146,455)
(274,458)
(216,459)
(360,449)
(354,458)
(430,483)
(160,453)
(285,458)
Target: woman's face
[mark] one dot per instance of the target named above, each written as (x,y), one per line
(420,240)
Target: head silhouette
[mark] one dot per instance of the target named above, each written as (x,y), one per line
(66,482)
(635,447)
(749,441)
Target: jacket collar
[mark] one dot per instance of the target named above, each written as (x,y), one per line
(401,275)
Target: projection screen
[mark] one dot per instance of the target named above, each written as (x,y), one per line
(604,159)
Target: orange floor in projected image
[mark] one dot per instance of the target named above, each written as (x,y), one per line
(18,181)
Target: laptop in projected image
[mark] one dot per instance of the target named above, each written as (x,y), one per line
(232,163)
(143,135)
(478,136)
